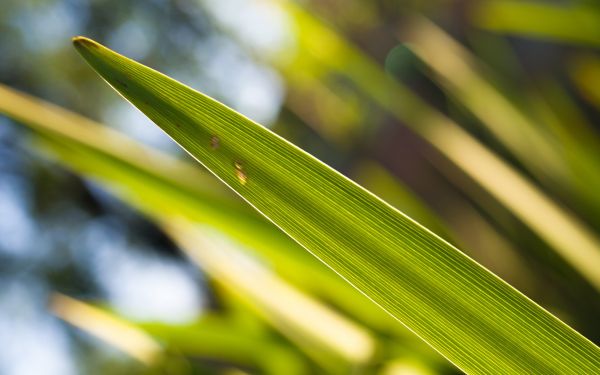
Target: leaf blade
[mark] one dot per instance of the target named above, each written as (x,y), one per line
(472,317)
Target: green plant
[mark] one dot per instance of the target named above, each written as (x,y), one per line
(477,321)
(461,130)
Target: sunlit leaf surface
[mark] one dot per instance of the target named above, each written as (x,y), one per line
(476,320)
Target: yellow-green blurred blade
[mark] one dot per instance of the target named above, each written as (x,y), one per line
(280,304)
(469,315)
(556,108)
(209,338)
(378,180)
(222,340)
(571,23)
(171,186)
(462,75)
(585,73)
(110,329)
(332,340)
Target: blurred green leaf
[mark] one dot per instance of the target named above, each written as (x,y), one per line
(585,73)
(477,321)
(570,23)
(336,343)
(171,186)
(377,179)
(579,146)
(210,337)
(219,339)
(463,76)
(465,79)
(111,329)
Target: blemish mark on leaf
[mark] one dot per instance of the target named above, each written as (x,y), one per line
(239,172)
(214,142)
(122,83)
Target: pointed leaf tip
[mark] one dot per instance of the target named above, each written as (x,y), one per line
(82,41)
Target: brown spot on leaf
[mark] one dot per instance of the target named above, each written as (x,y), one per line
(215,142)
(240,173)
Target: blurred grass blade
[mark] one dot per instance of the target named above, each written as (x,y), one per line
(557,109)
(404,367)
(556,226)
(315,328)
(585,73)
(221,339)
(208,338)
(261,291)
(571,23)
(171,186)
(553,151)
(117,332)
(380,181)
(326,111)
(472,317)
(462,75)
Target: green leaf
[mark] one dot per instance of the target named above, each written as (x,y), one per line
(585,74)
(469,315)
(333,341)
(573,23)
(211,337)
(110,329)
(378,180)
(546,157)
(219,339)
